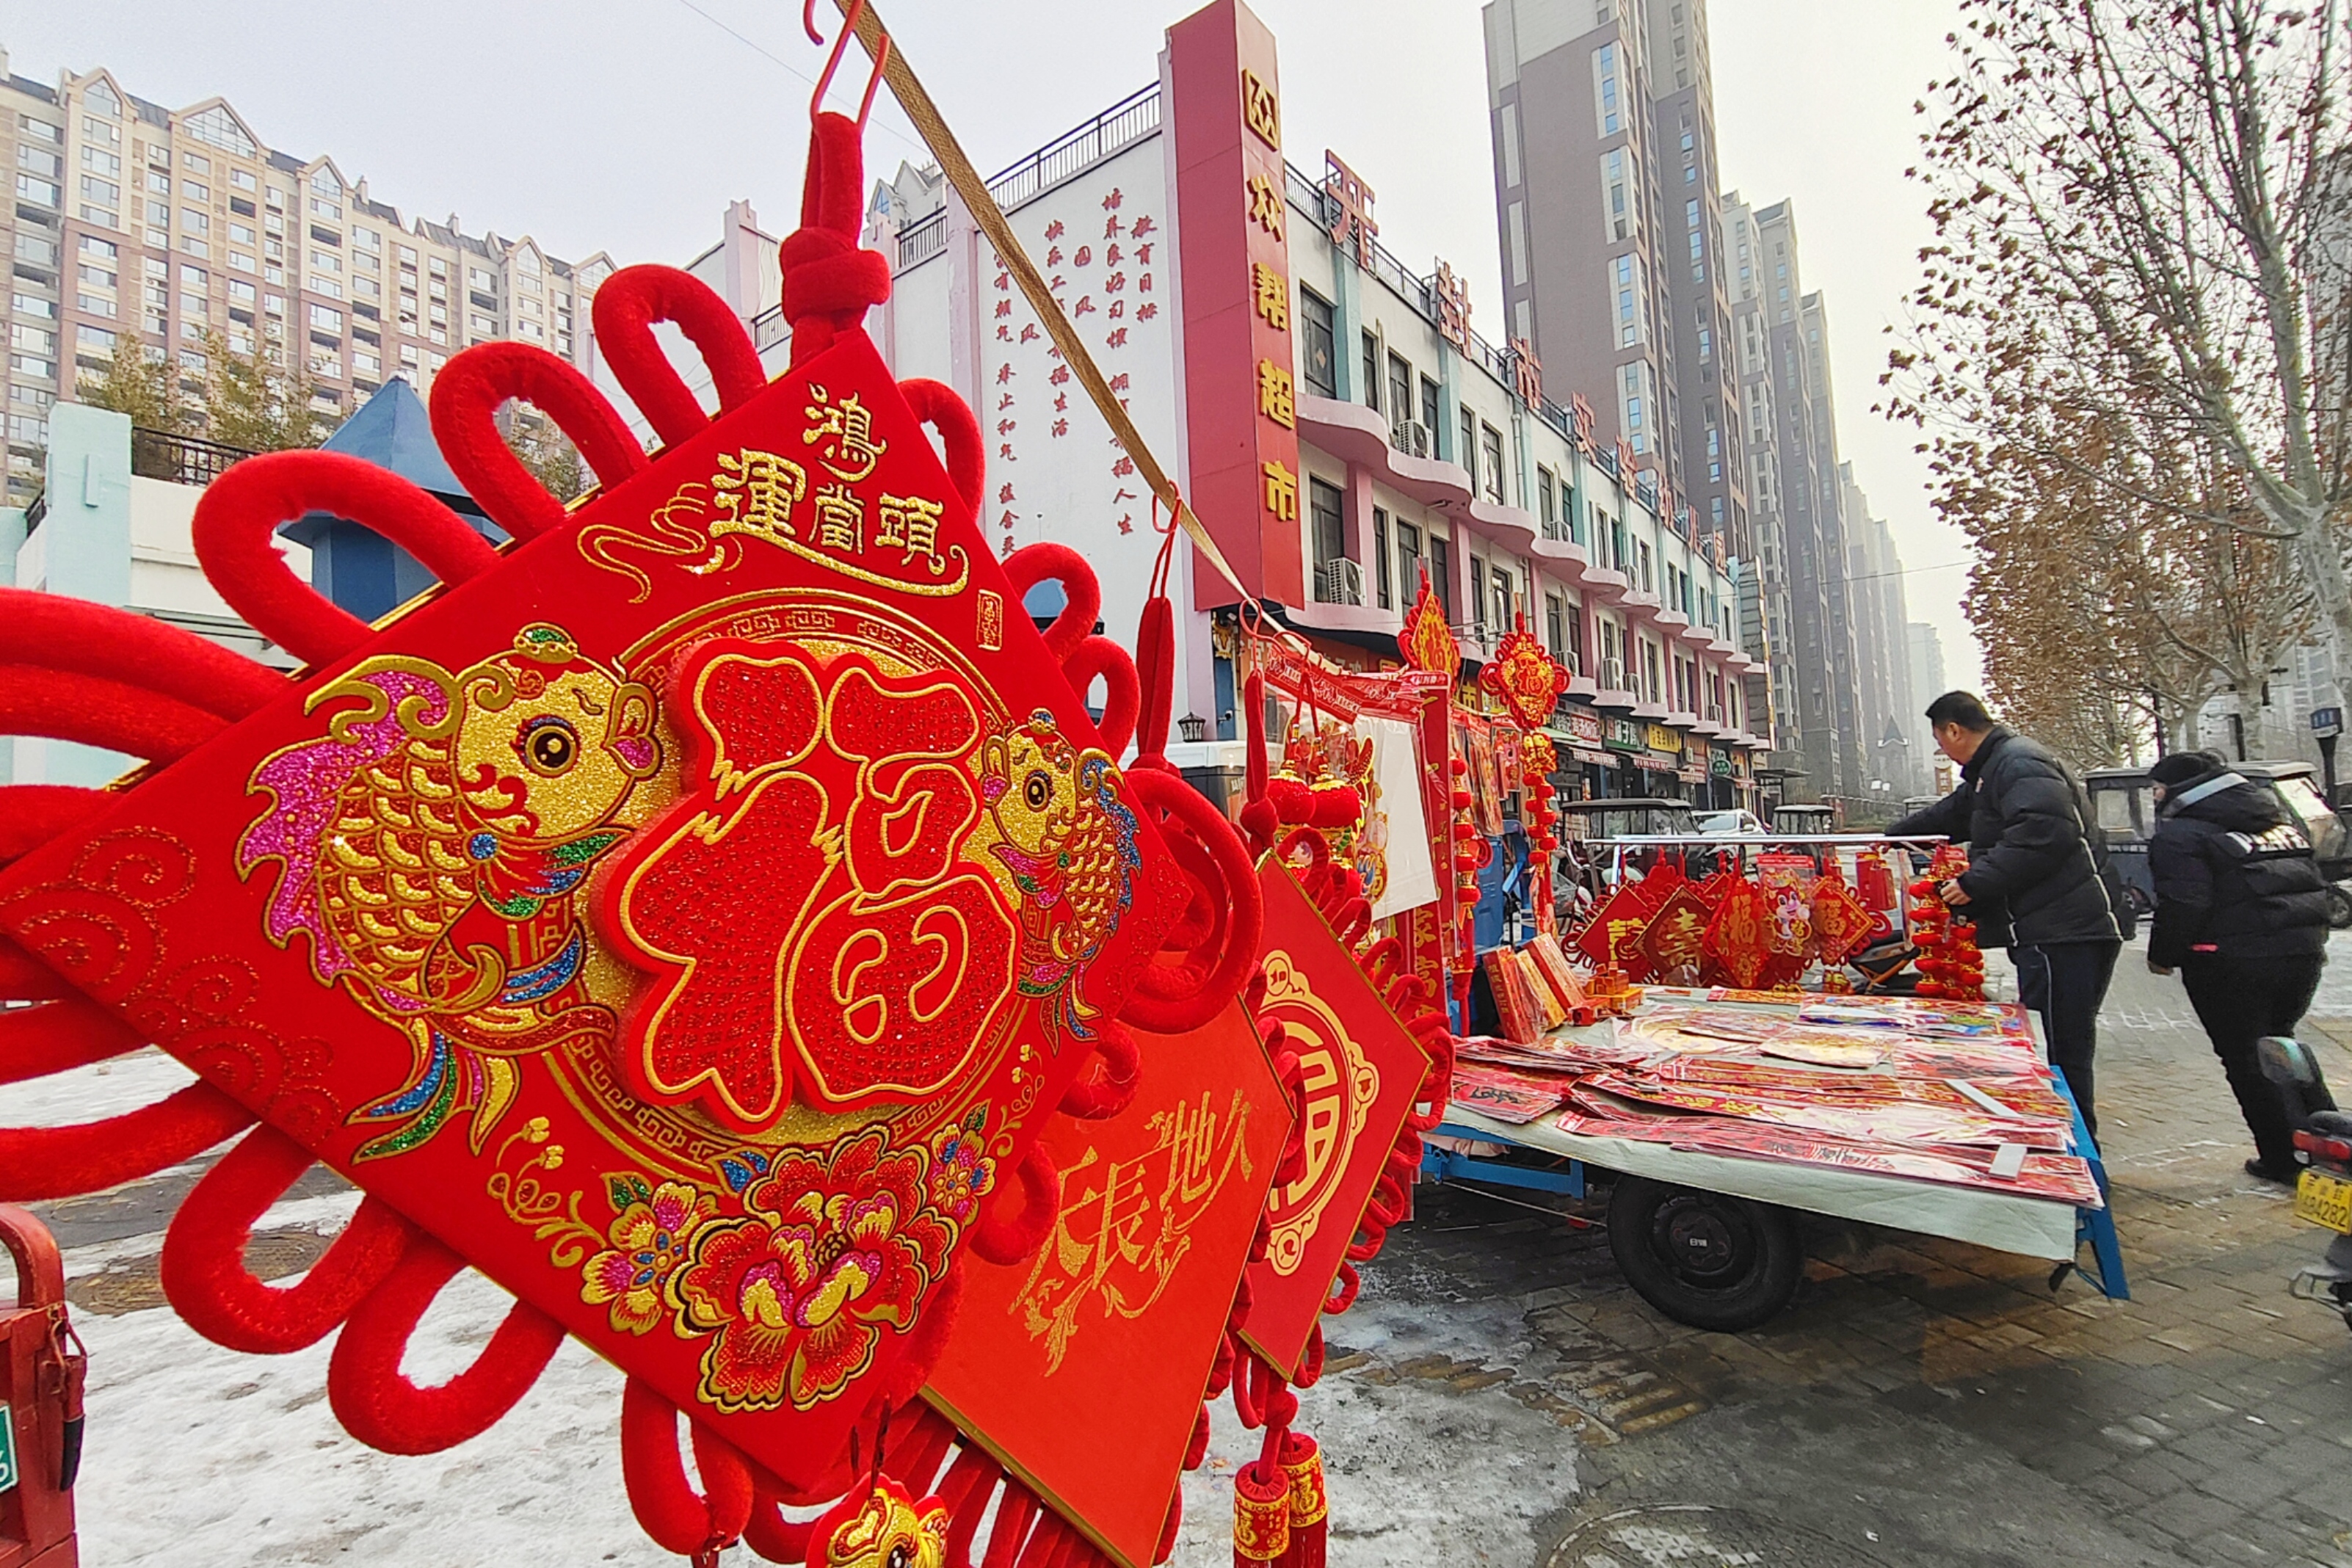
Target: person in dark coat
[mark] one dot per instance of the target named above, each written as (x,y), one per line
(2241,912)
(2036,881)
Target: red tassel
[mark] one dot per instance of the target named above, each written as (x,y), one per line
(1302,1466)
(1261,1515)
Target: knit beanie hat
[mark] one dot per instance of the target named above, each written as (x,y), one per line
(2179,767)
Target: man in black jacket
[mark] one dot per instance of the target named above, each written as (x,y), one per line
(2242,911)
(2034,882)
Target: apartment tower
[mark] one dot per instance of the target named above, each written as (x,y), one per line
(135,222)
(1607,197)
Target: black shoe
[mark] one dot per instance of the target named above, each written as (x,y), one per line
(2256,1169)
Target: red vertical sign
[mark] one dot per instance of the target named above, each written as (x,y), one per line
(1233,226)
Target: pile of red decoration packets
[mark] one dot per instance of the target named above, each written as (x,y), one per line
(1940,1091)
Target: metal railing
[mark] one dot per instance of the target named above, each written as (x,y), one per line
(1117,128)
(181,459)
(1130,118)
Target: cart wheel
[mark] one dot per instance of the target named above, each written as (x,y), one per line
(1703,1258)
(2339,907)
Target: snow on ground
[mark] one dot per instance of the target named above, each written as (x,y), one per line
(201,1457)
(109,1088)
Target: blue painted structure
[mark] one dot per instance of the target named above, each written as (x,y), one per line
(357,568)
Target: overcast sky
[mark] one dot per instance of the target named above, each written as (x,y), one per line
(627,125)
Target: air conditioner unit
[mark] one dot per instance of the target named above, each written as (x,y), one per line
(1339,582)
(1410,436)
(1612,675)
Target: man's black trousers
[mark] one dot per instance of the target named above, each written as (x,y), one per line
(2065,982)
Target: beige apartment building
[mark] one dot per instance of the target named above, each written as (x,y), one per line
(131,222)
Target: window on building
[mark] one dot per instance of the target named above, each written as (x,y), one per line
(1555,627)
(1429,400)
(1467,453)
(1319,353)
(1478,595)
(42,129)
(1574,656)
(1612,180)
(1490,461)
(1605,70)
(1326,521)
(1372,371)
(1546,511)
(1408,561)
(1441,575)
(1385,596)
(325,319)
(1400,389)
(1504,597)
(1629,303)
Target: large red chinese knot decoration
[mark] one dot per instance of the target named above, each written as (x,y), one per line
(691,917)
(1526,677)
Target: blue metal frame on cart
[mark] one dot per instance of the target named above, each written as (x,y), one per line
(1445,1164)
(2095,1226)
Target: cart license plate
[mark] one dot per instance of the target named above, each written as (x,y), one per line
(2325,1200)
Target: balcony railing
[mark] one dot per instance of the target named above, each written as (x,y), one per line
(181,459)
(1125,122)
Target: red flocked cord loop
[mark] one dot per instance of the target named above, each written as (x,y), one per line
(1155,667)
(204,1271)
(57,1162)
(235,533)
(94,711)
(1082,596)
(829,282)
(376,1402)
(1110,1088)
(667,1507)
(1009,1241)
(55,1035)
(24,978)
(1122,693)
(467,398)
(66,633)
(627,305)
(936,405)
(31,814)
(1171,998)
(1258,817)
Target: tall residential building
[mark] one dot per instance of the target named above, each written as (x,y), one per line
(1928,683)
(132,222)
(1607,198)
(1879,617)
(1768,610)
(1799,504)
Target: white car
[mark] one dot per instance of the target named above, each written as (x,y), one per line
(1728,823)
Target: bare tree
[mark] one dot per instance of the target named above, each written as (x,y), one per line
(546,451)
(2136,209)
(143,385)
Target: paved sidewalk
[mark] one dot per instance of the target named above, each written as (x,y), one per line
(1925,1402)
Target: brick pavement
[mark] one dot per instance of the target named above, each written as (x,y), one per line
(1931,1401)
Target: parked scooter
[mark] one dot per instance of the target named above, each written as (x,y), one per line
(2323,1194)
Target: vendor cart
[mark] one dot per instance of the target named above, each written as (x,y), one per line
(1710,1239)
